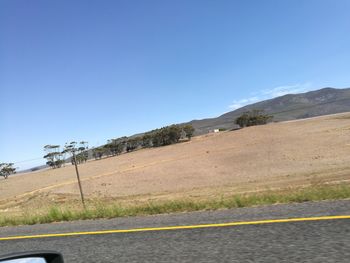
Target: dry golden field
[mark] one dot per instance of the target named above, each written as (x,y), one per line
(275,156)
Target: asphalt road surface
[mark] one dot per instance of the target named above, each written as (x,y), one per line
(302,241)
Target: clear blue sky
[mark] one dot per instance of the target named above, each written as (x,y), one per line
(95,70)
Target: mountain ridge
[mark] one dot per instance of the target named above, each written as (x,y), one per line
(320,102)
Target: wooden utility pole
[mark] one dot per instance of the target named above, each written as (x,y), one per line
(78,177)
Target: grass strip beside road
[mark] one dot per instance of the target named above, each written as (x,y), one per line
(167,228)
(102,210)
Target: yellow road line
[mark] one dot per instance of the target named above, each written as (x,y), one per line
(113,231)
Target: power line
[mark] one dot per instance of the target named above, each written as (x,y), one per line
(29,160)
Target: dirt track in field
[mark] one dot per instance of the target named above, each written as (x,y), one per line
(278,155)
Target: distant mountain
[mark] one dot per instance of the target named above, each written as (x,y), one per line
(288,107)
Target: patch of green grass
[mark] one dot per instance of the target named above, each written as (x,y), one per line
(101,210)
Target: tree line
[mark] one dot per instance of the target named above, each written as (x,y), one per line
(56,156)
(155,138)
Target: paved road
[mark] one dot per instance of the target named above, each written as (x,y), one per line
(310,241)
